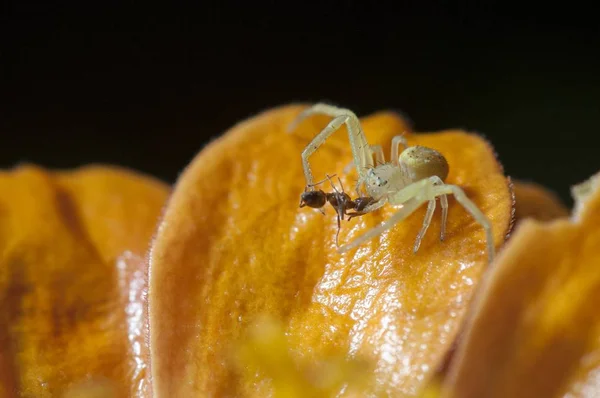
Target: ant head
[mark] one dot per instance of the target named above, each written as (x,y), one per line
(314,199)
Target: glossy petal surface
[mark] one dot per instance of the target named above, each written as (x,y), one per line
(234,245)
(70,298)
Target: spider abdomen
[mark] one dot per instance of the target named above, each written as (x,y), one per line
(421,162)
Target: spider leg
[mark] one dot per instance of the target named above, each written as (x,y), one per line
(410,197)
(444,205)
(396,142)
(348,168)
(376,150)
(426,222)
(358,142)
(472,208)
(407,209)
(413,196)
(359,183)
(318,108)
(316,143)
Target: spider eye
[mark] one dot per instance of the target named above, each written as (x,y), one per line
(381,182)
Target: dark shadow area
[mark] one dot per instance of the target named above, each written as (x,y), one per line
(147,88)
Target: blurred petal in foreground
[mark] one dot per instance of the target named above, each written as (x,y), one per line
(536,328)
(70,300)
(234,245)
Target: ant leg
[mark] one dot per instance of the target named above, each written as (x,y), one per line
(396,142)
(426,223)
(337,235)
(332,184)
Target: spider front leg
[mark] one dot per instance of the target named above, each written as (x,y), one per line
(376,150)
(316,143)
(415,195)
(407,209)
(358,142)
(397,141)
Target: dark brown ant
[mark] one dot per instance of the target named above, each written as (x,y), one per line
(339,200)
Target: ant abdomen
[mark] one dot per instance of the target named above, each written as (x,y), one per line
(362,202)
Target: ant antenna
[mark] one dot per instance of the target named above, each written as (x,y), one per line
(333,186)
(341,185)
(321,182)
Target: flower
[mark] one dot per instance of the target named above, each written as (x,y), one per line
(248,296)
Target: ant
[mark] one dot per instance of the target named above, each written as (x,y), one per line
(339,200)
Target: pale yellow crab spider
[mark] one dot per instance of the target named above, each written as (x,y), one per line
(412,177)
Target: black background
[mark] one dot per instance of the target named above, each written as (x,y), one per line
(148,87)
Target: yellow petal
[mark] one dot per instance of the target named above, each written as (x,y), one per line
(70,298)
(536,328)
(266,350)
(234,245)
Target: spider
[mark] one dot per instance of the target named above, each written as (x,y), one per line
(339,200)
(412,177)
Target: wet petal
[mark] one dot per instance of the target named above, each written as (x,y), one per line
(536,328)
(69,297)
(234,245)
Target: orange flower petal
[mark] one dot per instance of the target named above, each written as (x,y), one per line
(535,201)
(536,328)
(70,302)
(234,245)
